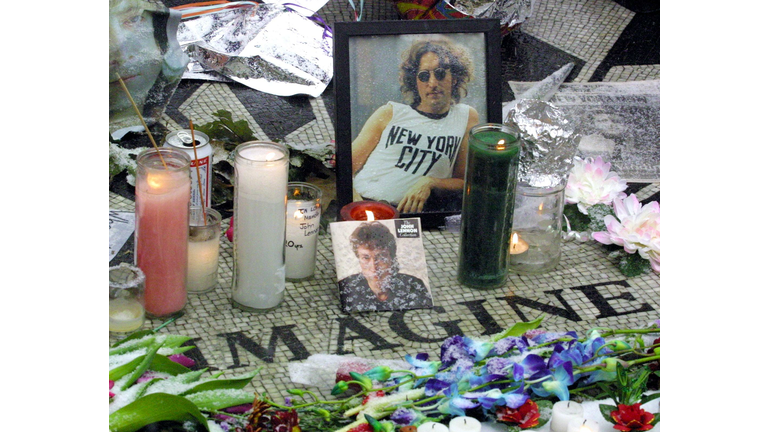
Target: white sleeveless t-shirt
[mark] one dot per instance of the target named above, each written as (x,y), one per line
(412,146)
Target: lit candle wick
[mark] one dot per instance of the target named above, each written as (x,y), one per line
(154,182)
(369,215)
(270,156)
(501,145)
(298,215)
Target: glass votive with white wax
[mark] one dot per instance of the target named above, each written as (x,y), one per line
(302,224)
(126,298)
(203,249)
(537,227)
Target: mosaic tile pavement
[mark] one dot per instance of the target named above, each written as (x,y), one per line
(584,291)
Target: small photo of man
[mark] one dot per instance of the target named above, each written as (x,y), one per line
(368,266)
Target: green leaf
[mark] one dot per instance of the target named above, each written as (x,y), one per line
(154,408)
(133,336)
(545,410)
(606,410)
(158,363)
(647,398)
(578,220)
(232,383)
(123,370)
(632,265)
(212,400)
(518,329)
(656,418)
(142,367)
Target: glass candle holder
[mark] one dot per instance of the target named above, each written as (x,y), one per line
(302,219)
(126,298)
(203,262)
(489,195)
(162,228)
(261,183)
(358,210)
(537,223)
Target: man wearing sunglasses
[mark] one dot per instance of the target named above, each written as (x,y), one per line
(413,155)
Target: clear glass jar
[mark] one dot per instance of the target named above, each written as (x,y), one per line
(538,225)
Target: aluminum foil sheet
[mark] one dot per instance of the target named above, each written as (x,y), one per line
(549,142)
(268,48)
(510,12)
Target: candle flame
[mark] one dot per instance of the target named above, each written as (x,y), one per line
(369,215)
(501,145)
(298,215)
(271,156)
(154,181)
(541,208)
(514,239)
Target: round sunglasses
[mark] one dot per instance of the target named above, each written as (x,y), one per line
(440,73)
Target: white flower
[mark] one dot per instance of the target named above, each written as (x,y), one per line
(592,182)
(638,229)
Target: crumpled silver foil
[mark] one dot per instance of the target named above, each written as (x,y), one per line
(510,12)
(268,48)
(549,143)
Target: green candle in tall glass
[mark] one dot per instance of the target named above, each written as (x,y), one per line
(489,198)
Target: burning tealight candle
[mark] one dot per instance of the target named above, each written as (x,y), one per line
(517,245)
(432,427)
(581,425)
(562,414)
(464,424)
(360,210)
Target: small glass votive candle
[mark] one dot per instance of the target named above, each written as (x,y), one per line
(302,223)
(203,249)
(368,210)
(126,298)
(536,229)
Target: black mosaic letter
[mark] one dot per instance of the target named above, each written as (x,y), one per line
(483,317)
(397,324)
(567,312)
(601,303)
(197,355)
(283,333)
(364,332)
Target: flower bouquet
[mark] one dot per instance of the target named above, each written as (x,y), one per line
(597,208)
(512,378)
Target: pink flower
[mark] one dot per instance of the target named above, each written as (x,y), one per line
(638,229)
(592,182)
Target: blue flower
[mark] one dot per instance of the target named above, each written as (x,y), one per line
(515,399)
(498,365)
(406,416)
(452,350)
(557,384)
(421,366)
(487,399)
(533,364)
(435,386)
(478,350)
(454,403)
(379,373)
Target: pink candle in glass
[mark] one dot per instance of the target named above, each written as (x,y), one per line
(162,229)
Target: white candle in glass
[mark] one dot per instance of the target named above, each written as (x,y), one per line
(432,427)
(203,264)
(562,414)
(125,315)
(464,424)
(581,425)
(302,226)
(261,171)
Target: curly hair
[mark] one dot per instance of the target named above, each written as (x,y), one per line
(452,56)
(374,235)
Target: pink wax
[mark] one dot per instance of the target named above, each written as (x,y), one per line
(162,230)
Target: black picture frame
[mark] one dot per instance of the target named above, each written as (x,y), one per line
(353,38)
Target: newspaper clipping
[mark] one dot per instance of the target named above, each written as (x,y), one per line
(619,121)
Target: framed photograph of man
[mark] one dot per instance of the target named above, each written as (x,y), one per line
(380,265)
(407,94)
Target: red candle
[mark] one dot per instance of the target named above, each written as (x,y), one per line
(162,229)
(357,211)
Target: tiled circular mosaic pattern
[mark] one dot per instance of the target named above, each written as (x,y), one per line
(585,290)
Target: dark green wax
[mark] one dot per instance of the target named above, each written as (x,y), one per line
(486,215)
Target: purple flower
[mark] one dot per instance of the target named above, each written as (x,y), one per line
(238,409)
(498,365)
(182,360)
(508,343)
(453,349)
(435,386)
(405,416)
